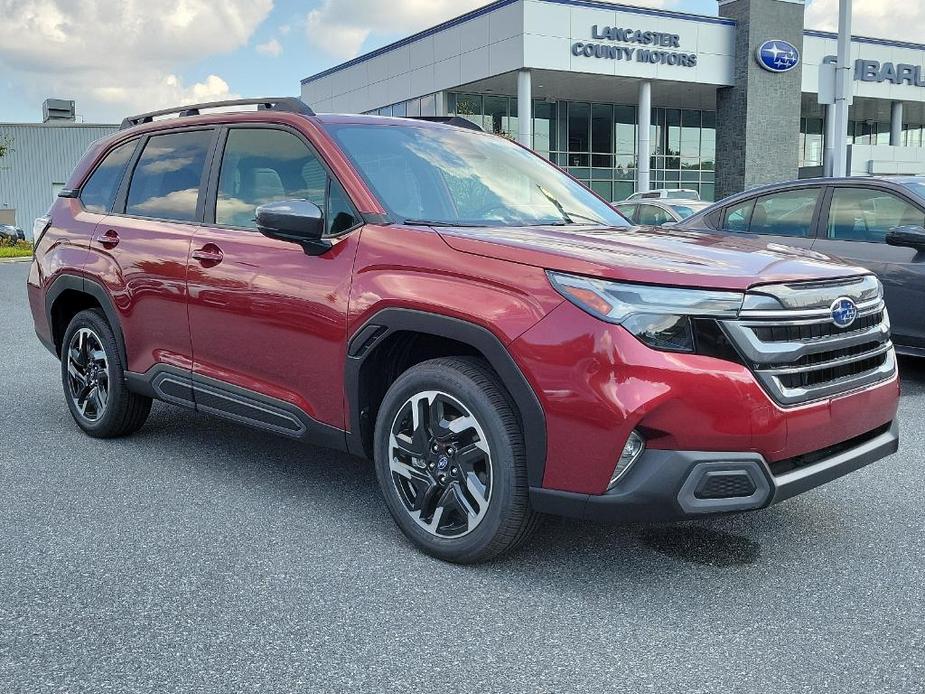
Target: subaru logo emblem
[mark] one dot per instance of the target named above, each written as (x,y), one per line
(442,462)
(844,312)
(777,56)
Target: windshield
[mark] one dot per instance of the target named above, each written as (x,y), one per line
(683,195)
(446,176)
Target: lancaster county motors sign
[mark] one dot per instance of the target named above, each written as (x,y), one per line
(617,43)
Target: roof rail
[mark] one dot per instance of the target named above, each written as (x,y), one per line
(287,104)
(458,121)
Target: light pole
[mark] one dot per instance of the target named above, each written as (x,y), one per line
(842,89)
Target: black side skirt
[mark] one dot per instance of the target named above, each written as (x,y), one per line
(180,387)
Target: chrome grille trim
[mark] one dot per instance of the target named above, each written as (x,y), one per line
(820,363)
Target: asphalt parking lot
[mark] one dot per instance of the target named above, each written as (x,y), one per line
(197,556)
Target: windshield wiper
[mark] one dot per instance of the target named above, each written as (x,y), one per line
(567,217)
(438,223)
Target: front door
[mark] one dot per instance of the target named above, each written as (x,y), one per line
(855,229)
(265,316)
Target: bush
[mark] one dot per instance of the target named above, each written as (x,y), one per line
(14,249)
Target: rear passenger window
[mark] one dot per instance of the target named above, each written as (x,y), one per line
(738,216)
(262,165)
(785,214)
(165,184)
(99,192)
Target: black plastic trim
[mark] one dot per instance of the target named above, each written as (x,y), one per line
(408,320)
(87,286)
(661,485)
(181,387)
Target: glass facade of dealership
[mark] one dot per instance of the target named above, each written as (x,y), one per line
(596,142)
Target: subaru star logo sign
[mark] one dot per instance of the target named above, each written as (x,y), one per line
(844,312)
(778,56)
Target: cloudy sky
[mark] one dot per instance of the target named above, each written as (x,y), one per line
(120,56)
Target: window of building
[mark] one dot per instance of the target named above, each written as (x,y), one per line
(789,213)
(165,183)
(99,192)
(261,165)
(866,214)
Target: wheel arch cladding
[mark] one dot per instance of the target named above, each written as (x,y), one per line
(395,339)
(70,294)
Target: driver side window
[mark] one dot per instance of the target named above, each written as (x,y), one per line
(263,165)
(865,214)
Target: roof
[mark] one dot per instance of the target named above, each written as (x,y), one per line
(594,4)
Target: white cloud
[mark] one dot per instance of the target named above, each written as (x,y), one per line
(878,18)
(341,27)
(115,56)
(272,48)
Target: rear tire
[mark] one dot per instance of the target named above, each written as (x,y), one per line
(93,377)
(451,463)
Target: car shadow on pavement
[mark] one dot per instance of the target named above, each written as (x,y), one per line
(342,491)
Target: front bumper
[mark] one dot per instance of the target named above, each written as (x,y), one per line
(672,485)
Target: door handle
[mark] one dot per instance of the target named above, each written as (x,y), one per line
(109,239)
(209,255)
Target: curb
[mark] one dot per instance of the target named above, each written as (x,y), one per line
(24,259)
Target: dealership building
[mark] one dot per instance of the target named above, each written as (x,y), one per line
(629,98)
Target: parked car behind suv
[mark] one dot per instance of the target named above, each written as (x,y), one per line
(659,212)
(462,312)
(878,223)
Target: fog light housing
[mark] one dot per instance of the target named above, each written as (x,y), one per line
(632,451)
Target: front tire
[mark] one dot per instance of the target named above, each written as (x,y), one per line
(93,377)
(451,463)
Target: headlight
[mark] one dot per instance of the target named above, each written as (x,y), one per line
(658,316)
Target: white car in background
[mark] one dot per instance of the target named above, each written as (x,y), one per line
(666,194)
(657,212)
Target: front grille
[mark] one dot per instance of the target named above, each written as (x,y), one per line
(797,352)
(815,331)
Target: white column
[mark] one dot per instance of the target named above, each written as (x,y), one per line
(896,124)
(525,108)
(643,127)
(828,153)
(842,88)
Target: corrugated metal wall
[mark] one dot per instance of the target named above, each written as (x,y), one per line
(41,160)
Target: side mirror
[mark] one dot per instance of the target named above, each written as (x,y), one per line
(911,236)
(296,221)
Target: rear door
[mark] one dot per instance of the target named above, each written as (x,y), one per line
(856,220)
(140,250)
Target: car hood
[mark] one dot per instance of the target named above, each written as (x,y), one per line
(655,255)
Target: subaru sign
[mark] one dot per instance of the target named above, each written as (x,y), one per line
(777,56)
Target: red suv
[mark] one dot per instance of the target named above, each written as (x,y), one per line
(459,310)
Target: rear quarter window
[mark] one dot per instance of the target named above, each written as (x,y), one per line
(99,192)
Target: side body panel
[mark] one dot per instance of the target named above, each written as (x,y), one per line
(271,319)
(145,274)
